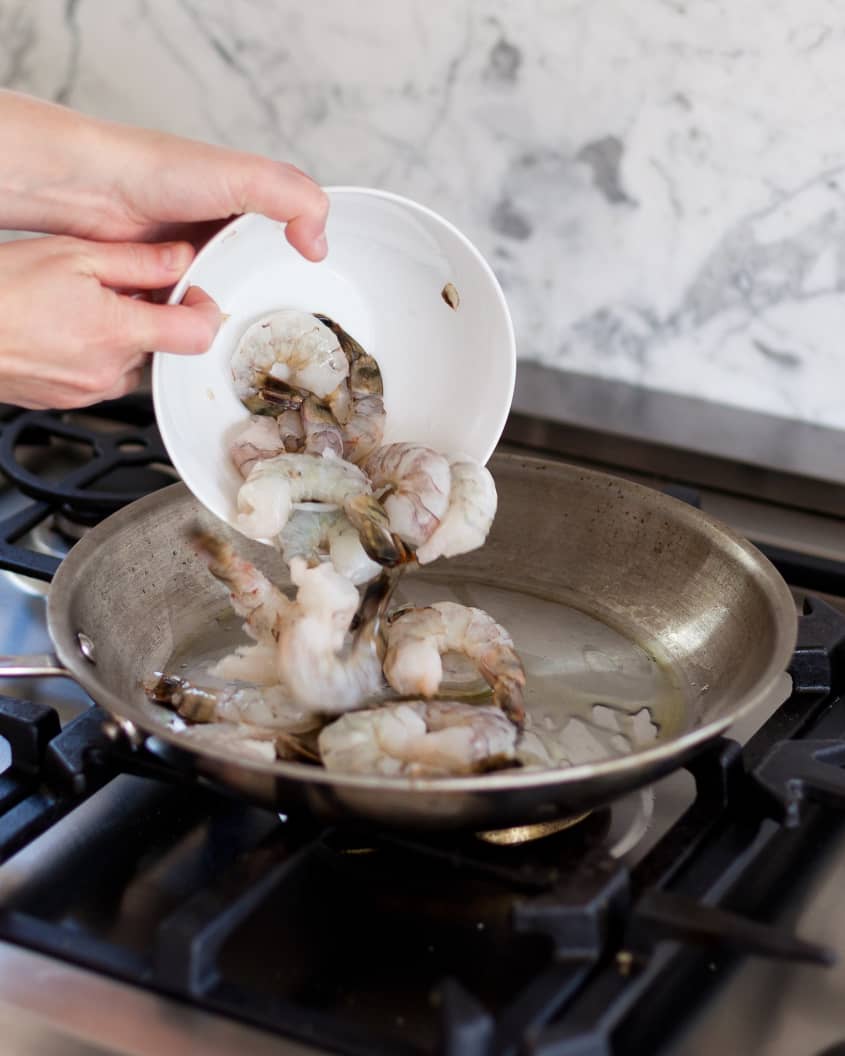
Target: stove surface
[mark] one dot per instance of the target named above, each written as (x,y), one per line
(141,915)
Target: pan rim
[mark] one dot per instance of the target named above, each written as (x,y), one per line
(675,750)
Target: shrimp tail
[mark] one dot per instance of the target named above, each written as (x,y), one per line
(291,746)
(368,622)
(371,522)
(214,551)
(251,593)
(274,397)
(187,700)
(507,680)
(508,695)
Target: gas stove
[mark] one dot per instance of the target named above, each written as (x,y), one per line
(140,913)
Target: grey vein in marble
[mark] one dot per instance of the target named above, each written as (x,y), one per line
(657,186)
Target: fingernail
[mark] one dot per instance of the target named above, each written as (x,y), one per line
(321,246)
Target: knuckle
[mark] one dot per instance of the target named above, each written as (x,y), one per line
(317,196)
(322,202)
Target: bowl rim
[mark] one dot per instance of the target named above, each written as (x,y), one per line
(350,189)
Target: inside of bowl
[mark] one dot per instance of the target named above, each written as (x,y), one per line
(447,361)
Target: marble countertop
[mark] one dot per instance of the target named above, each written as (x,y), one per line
(659,186)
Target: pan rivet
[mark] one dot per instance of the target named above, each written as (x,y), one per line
(624,963)
(120,729)
(86,646)
(111,730)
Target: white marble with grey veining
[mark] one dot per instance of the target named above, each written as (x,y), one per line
(659,185)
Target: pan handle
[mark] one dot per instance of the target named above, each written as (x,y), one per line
(34,665)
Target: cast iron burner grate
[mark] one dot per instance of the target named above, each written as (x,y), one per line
(362,942)
(109,456)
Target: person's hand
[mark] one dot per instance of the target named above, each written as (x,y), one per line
(69,337)
(64,173)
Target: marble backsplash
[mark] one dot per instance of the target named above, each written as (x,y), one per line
(659,185)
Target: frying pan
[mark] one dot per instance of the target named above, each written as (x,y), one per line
(615,595)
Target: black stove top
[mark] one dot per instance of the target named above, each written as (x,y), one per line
(557,941)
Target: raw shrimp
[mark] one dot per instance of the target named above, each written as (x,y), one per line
(291,431)
(269,707)
(320,672)
(256,439)
(358,403)
(253,596)
(275,397)
(243,742)
(266,497)
(319,669)
(418,637)
(467,521)
(254,663)
(324,596)
(373,526)
(419,738)
(312,534)
(293,347)
(321,431)
(363,431)
(413,484)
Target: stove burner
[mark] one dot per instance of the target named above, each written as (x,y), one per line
(407,944)
(120,435)
(80,466)
(528,833)
(588,934)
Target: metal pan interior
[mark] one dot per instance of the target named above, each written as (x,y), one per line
(616,596)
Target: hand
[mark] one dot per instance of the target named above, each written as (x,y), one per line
(70,338)
(72,174)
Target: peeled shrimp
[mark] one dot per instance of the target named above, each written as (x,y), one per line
(266,497)
(418,739)
(293,347)
(254,663)
(417,639)
(320,671)
(269,707)
(326,597)
(257,438)
(358,403)
(291,431)
(242,741)
(253,596)
(469,516)
(320,665)
(413,484)
(312,534)
(321,430)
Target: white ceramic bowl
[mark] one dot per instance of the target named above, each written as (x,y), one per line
(448,373)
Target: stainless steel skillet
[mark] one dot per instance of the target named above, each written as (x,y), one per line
(616,596)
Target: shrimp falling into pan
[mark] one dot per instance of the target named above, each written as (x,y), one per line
(329,676)
(320,688)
